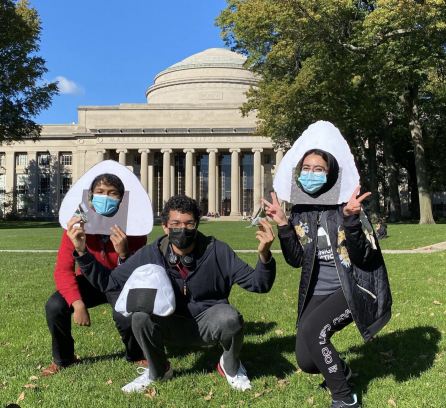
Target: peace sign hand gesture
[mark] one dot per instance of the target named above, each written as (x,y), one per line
(275,211)
(354,204)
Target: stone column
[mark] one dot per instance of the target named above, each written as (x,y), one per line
(212,193)
(100,154)
(189,176)
(194,176)
(257,177)
(151,177)
(144,166)
(172,177)
(279,157)
(122,153)
(235,182)
(166,174)
(54,195)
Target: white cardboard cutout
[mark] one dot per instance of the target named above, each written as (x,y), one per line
(325,136)
(149,276)
(135,215)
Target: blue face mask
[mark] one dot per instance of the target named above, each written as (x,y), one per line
(104,205)
(312,182)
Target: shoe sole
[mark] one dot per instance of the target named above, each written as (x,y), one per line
(220,370)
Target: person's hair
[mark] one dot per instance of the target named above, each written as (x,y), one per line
(332,164)
(379,221)
(108,180)
(182,204)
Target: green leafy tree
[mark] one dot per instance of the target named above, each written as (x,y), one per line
(353,63)
(23,93)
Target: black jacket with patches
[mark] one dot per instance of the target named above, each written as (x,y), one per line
(360,267)
(209,283)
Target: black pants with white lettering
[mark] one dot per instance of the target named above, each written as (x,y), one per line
(322,317)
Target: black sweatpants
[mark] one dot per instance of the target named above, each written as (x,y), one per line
(58,317)
(322,317)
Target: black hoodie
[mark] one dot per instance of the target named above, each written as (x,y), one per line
(209,283)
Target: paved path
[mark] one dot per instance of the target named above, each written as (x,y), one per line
(423,250)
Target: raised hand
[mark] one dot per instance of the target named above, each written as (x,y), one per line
(120,242)
(274,210)
(77,234)
(266,237)
(354,204)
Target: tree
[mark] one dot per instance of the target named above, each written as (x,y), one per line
(23,93)
(343,61)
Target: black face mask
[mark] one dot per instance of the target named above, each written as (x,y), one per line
(182,238)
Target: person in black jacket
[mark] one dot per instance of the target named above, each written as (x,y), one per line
(202,270)
(343,278)
(381,230)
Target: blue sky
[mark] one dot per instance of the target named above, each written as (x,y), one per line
(108,52)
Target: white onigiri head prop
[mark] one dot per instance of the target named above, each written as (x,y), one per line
(147,290)
(135,214)
(325,136)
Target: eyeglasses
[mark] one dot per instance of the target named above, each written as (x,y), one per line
(190,225)
(315,169)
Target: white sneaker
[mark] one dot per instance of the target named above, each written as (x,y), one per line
(240,381)
(141,382)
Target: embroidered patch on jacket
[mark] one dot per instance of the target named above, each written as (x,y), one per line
(342,249)
(302,231)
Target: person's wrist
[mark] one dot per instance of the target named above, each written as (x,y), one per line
(78,304)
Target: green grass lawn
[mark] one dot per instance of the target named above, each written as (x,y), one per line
(405,366)
(45,235)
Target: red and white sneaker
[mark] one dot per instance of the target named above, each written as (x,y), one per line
(240,381)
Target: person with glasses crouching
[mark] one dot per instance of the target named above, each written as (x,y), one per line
(202,270)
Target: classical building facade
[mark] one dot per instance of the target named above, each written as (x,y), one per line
(189,138)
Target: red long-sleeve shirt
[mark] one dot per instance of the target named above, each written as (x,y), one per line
(65,272)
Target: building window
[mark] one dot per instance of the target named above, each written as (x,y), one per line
(66,181)
(2,183)
(66,159)
(2,159)
(268,158)
(22,189)
(44,183)
(137,160)
(22,159)
(22,183)
(44,203)
(43,159)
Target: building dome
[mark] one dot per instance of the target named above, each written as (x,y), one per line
(213,57)
(213,76)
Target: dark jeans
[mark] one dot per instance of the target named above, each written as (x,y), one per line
(322,317)
(219,324)
(58,317)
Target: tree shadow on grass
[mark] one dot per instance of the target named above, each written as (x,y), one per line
(261,358)
(28,224)
(403,354)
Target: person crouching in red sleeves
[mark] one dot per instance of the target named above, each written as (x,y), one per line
(75,295)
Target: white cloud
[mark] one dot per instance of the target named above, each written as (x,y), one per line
(69,87)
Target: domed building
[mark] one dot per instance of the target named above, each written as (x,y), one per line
(189,138)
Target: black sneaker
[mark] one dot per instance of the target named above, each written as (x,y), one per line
(342,404)
(347,372)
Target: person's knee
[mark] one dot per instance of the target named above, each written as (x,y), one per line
(55,306)
(122,323)
(227,319)
(140,321)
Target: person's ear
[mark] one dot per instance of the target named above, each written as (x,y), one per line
(165,229)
